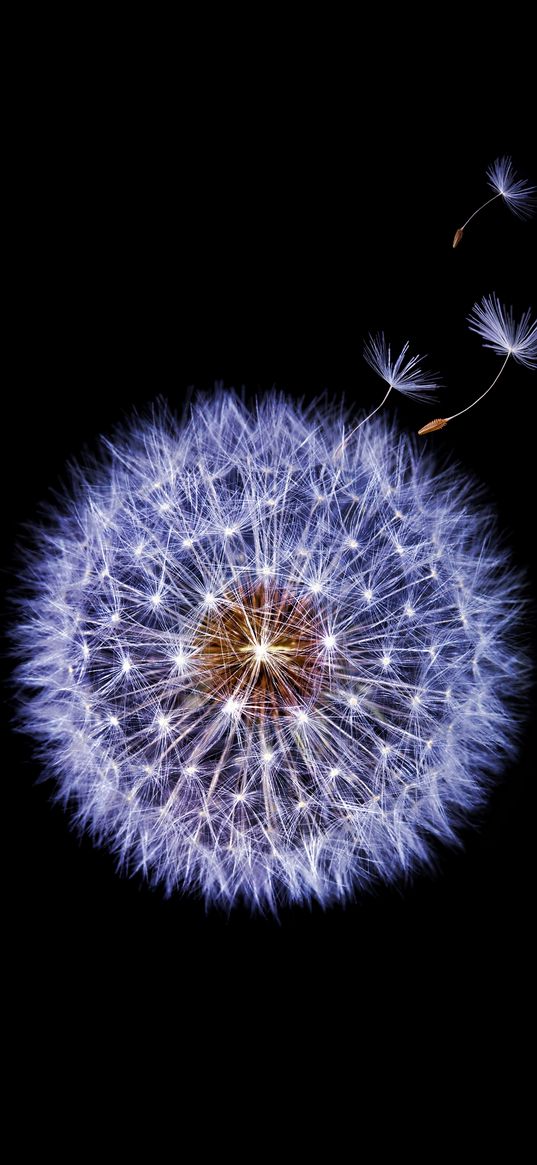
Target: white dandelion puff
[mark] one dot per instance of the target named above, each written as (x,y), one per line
(500,331)
(280,742)
(518,193)
(403,374)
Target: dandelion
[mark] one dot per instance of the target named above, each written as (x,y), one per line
(499,330)
(308,730)
(403,374)
(516,192)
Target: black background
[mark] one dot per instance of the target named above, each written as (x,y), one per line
(260,249)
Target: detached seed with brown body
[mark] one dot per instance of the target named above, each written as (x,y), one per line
(432,426)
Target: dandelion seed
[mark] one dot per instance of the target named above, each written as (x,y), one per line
(433,426)
(516,192)
(404,374)
(499,330)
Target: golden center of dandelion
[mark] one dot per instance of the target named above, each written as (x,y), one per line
(260,649)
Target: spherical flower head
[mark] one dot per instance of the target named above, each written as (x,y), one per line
(497,326)
(404,375)
(260,671)
(516,192)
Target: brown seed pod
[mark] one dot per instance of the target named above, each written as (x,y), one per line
(432,426)
(458,236)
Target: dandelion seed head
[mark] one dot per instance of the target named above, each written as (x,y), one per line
(216,741)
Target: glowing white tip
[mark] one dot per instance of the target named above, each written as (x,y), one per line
(329,641)
(232,707)
(261,652)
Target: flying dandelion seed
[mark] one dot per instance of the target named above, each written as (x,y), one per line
(402,373)
(259,670)
(517,193)
(499,331)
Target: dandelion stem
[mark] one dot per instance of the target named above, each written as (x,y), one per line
(487,390)
(342,444)
(482,207)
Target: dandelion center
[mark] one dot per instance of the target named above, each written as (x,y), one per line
(261,647)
